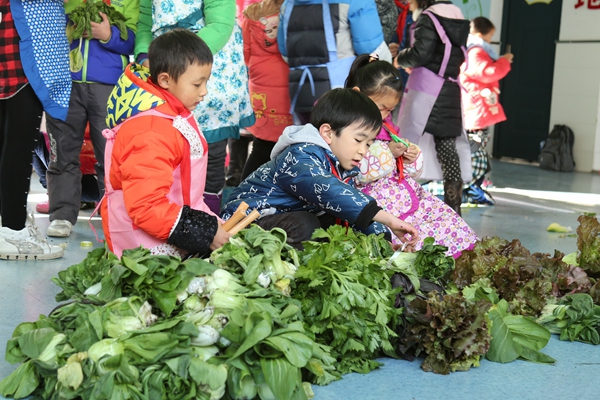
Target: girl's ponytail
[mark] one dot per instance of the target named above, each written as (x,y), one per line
(358,63)
(373,77)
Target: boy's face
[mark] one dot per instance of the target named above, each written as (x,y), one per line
(351,145)
(190,88)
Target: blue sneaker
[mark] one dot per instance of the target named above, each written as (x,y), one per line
(479,196)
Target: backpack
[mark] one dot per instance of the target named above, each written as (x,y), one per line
(557,150)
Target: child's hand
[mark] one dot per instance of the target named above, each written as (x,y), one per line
(102,30)
(394,49)
(397,149)
(401,228)
(220,239)
(398,227)
(411,154)
(508,56)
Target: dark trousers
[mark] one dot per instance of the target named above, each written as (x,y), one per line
(87,104)
(299,225)
(261,153)
(20,118)
(238,153)
(215,170)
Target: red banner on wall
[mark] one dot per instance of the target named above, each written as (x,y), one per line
(591,4)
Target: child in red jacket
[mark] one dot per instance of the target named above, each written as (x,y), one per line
(156,155)
(480,76)
(268,80)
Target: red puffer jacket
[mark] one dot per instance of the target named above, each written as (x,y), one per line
(481,80)
(268,72)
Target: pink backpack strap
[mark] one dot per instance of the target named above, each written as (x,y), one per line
(448,48)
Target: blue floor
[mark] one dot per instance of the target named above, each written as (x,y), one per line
(527,198)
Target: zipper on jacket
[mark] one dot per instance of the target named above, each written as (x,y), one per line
(86,49)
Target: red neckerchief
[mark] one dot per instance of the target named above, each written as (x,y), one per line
(399,162)
(337,175)
(402,14)
(186,167)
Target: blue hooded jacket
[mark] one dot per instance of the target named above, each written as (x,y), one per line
(300,177)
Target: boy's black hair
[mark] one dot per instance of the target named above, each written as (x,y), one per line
(374,77)
(174,51)
(341,108)
(481,25)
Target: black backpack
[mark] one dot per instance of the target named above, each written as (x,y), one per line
(557,150)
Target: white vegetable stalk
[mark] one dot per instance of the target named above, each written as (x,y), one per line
(208,336)
(197,285)
(206,352)
(145,313)
(200,318)
(181,296)
(223,280)
(93,290)
(264,280)
(104,347)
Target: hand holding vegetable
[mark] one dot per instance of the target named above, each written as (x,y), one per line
(399,227)
(101,31)
(220,239)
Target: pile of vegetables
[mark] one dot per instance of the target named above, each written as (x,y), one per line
(346,296)
(260,319)
(80,23)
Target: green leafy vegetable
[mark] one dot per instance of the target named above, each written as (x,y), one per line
(588,243)
(346,296)
(88,12)
(511,270)
(449,330)
(575,317)
(431,262)
(516,336)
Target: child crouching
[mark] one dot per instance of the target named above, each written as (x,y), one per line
(156,155)
(307,183)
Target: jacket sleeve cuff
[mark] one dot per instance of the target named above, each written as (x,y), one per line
(365,217)
(195,231)
(141,58)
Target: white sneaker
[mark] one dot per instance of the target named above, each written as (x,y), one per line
(59,228)
(26,244)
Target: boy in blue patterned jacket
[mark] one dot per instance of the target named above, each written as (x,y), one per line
(307,183)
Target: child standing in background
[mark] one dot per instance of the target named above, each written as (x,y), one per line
(268,80)
(227,107)
(389,169)
(104,51)
(156,156)
(480,76)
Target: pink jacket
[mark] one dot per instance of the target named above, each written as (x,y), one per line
(480,103)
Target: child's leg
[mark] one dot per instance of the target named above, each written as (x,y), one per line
(479,157)
(261,153)
(238,153)
(215,175)
(20,118)
(64,174)
(447,155)
(97,98)
(299,225)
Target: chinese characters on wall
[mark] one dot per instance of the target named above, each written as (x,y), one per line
(591,4)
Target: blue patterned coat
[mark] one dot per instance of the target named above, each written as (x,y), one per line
(300,177)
